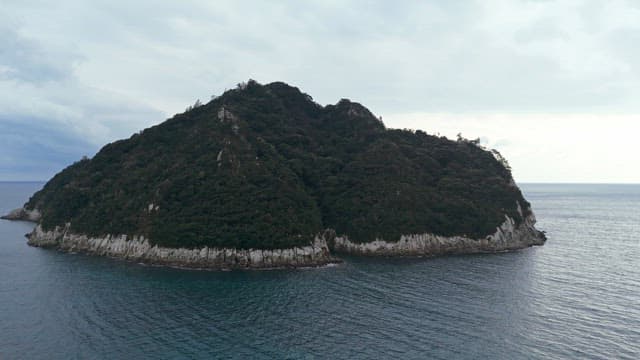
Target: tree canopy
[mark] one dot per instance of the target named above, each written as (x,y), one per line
(264,166)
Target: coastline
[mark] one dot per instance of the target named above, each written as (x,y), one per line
(139,249)
(508,237)
(22,214)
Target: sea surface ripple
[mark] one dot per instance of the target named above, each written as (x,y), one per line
(577,297)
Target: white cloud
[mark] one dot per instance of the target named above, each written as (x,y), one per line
(104,69)
(546,147)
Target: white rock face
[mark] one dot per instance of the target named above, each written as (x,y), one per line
(137,248)
(508,236)
(225,115)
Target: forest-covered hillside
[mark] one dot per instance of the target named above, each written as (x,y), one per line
(264,166)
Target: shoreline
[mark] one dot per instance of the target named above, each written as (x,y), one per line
(139,249)
(508,237)
(321,252)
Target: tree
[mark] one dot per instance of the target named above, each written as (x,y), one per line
(501,159)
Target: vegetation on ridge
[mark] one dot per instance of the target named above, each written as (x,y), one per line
(263,166)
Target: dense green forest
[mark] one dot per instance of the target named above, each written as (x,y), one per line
(264,166)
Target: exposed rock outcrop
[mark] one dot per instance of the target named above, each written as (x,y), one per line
(23,214)
(139,249)
(508,236)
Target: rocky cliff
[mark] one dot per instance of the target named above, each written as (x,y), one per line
(139,249)
(508,236)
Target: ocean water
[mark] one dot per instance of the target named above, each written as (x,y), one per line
(577,297)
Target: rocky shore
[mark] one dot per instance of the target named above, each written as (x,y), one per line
(22,214)
(508,236)
(139,249)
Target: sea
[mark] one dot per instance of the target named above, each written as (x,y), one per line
(577,297)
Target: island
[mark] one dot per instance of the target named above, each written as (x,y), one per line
(264,177)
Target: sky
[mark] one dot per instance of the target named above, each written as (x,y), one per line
(553,85)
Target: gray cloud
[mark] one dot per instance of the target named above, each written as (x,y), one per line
(101,70)
(37,148)
(22,60)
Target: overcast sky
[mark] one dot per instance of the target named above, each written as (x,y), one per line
(553,85)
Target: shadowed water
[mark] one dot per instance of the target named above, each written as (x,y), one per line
(578,297)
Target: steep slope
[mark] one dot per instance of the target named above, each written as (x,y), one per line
(265,167)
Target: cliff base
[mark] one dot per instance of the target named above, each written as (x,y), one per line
(508,236)
(139,249)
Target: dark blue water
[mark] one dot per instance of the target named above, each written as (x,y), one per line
(578,297)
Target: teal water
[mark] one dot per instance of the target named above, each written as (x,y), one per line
(578,297)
